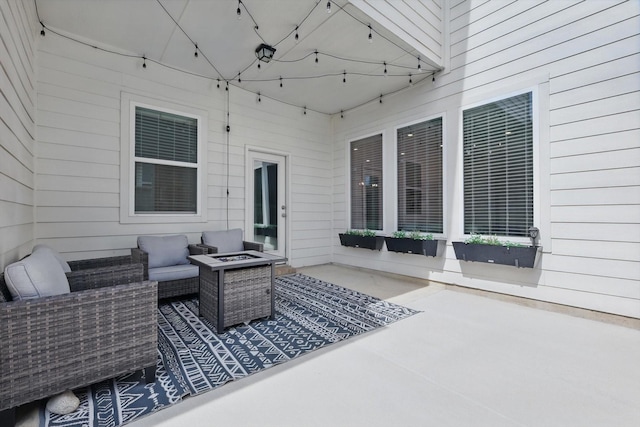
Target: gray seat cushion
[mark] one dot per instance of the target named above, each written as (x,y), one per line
(176,272)
(38,275)
(224,240)
(165,251)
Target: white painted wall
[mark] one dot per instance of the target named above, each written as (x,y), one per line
(582,59)
(17,128)
(79,128)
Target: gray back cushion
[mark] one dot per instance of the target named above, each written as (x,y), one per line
(38,275)
(56,254)
(224,240)
(165,251)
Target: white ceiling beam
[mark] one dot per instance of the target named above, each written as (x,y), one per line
(418,23)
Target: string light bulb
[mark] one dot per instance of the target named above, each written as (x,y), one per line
(259,97)
(280,81)
(296,37)
(370,35)
(380,98)
(227,88)
(410,80)
(385,69)
(342,114)
(316,57)
(419,65)
(433,77)
(144,61)
(239,79)
(196,51)
(329,7)
(218,85)
(304,111)
(42,30)
(238,11)
(344,77)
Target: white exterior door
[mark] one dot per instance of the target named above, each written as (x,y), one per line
(266,220)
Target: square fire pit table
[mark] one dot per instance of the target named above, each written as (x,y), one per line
(236,287)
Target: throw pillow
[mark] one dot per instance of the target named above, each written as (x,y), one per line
(165,251)
(38,275)
(225,240)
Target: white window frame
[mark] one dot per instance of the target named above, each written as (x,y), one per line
(129,102)
(536,112)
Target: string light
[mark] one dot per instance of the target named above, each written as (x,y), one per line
(144,61)
(316,57)
(370,35)
(280,81)
(296,36)
(410,80)
(344,77)
(419,66)
(259,97)
(227,88)
(380,98)
(385,69)
(328,7)
(342,114)
(196,51)
(433,77)
(218,85)
(304,111)
(42,30)
(239,79)
(238,11)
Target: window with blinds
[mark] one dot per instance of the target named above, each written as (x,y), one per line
(166,162)
(366,183)
(420,177)
(498,167)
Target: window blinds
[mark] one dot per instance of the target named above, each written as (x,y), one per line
(419,171)
(366,183)
(498,167)
(162,138)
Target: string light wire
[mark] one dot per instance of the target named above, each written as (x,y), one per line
(220,77)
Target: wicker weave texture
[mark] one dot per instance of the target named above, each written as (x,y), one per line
(247,294)
(62,342)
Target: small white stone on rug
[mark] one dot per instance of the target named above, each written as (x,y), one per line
(63,403)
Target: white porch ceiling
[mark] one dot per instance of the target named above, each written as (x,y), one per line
(166,31)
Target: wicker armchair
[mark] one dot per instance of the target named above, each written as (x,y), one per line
(171,288)
(228,241)
(105,327)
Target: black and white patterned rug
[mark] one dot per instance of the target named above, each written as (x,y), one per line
(193,359)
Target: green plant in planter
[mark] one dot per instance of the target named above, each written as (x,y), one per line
(495,251)
(415,235)
(413,242)
(478,239)
(361,239)
(363,233)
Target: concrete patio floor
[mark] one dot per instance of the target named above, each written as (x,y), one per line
(465,360)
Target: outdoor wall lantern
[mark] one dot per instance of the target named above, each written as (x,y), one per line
(534,232)
(265,53)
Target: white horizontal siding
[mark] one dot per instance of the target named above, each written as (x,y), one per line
(17,129)
(583,56)
(78,180)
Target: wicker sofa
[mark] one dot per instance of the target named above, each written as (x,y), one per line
(165,260)
(104,327)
